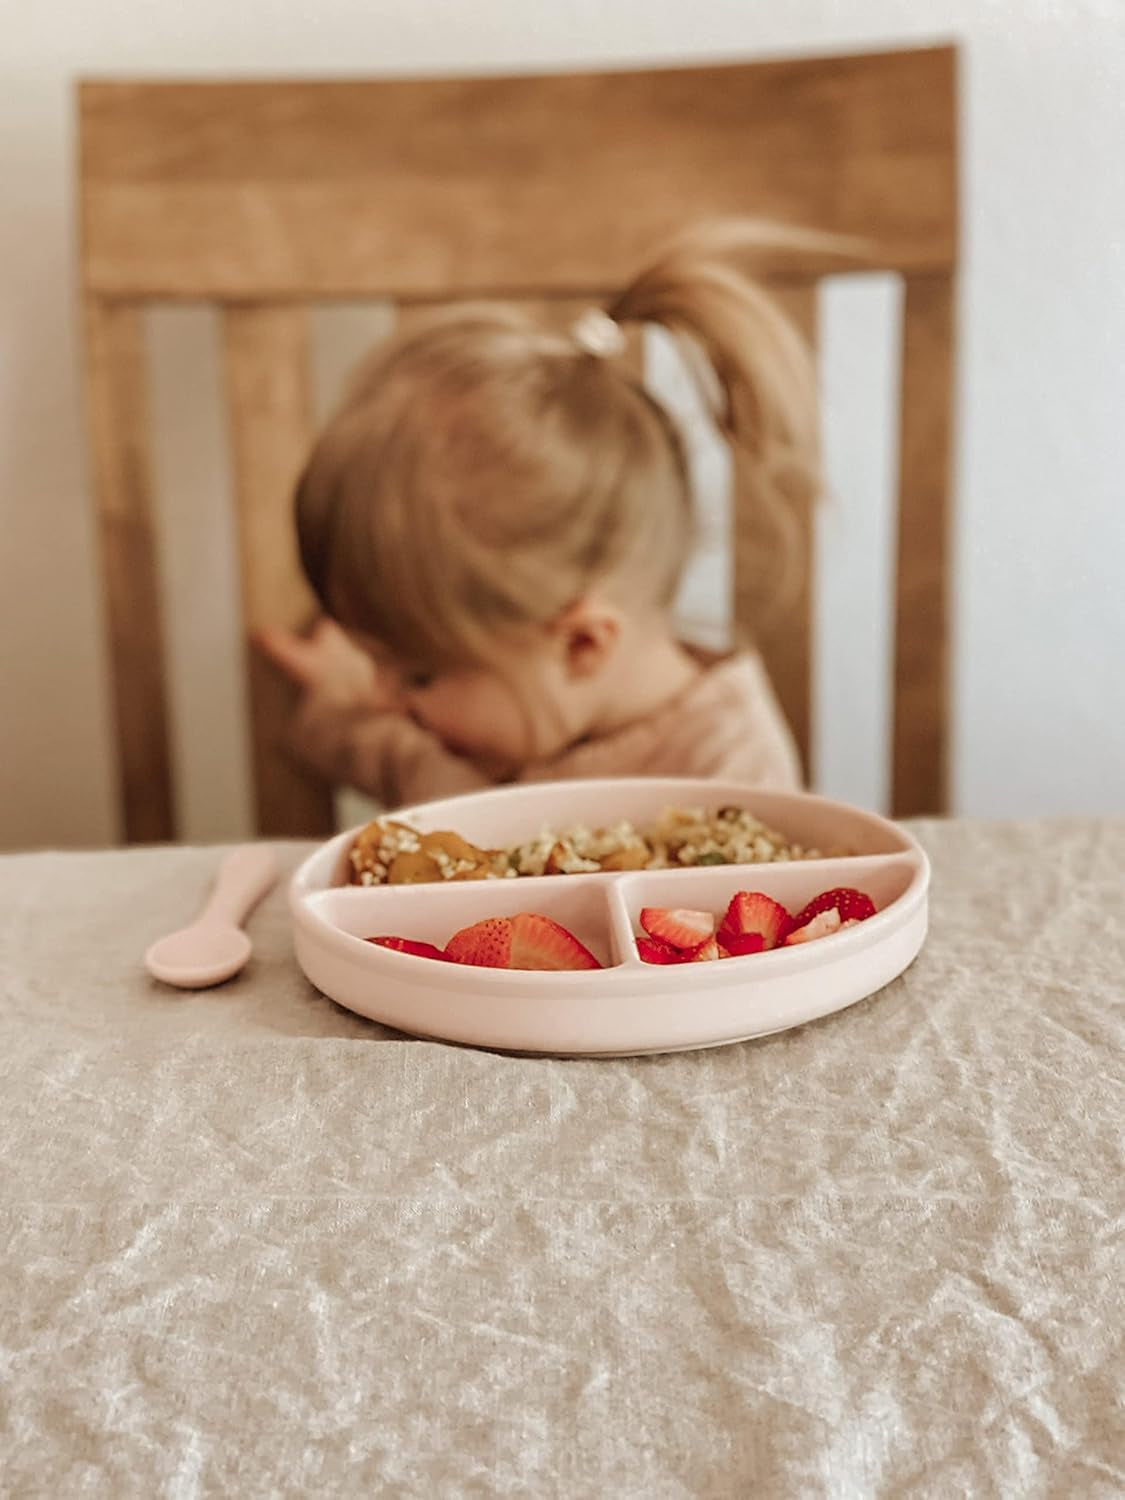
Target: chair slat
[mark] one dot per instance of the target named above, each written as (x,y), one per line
(920,769)
(267,368)
(781,626)
(118,425)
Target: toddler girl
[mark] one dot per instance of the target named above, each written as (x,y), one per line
(495,523)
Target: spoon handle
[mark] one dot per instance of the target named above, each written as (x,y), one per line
(245,875)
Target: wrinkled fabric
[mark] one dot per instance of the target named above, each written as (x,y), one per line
(253,1245)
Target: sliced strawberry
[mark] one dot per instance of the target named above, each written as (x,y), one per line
(407,945)
(704,953)
(487,944)
(525,941)
(541,943)
(852,905)
(824,924)
(737,944)
(653,951)
(754,912)
(678,926)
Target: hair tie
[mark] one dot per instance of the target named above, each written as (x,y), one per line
(596,333)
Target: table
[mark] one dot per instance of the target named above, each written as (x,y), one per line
(252,1245)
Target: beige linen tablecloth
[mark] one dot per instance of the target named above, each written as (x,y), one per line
(255,1246)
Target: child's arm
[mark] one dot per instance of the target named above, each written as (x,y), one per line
(384,754)
(350,728)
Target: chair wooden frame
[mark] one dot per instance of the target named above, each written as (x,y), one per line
(263,198)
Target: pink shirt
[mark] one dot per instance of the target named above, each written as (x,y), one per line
(727,725)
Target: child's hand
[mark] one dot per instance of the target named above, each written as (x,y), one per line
(329,664)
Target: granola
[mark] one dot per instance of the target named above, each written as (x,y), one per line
(388,852)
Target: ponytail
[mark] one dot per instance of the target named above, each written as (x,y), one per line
(754,369)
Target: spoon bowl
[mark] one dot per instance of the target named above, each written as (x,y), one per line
(198,956)
(214,948)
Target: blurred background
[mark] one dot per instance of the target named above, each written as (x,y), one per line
(1038,615)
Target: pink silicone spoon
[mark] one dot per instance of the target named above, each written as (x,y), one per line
(214,947)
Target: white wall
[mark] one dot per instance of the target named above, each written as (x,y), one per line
(1040,618)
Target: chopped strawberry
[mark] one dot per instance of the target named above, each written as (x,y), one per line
(852,905)
(486,944)
(752,912)
(653,951)
(704,953)
(407,945)
(525,941)
(824,924)
(540,943)
(737,944)
(678,926)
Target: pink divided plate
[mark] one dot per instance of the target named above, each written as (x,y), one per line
(629,1006)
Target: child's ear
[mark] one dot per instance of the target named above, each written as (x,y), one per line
(588,633)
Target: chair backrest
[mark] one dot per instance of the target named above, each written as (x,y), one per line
(265,198)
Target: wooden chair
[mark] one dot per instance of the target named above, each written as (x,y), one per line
(264,198)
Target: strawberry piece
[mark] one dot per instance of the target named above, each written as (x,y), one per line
(653,951)
(753,912)
(852,905)
(678,926)
(824,924)
(541,943)
(486,944)
(525,941)
(738,944)
(407,945)
(704,953)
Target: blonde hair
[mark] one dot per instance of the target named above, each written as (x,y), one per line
(484,472)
